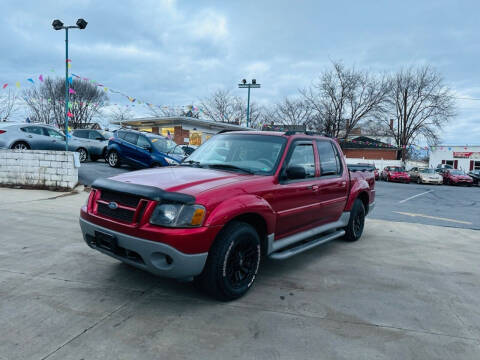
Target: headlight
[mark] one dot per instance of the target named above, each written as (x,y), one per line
(178,215)
(171,161)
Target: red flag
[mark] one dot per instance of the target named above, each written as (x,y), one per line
(4,86)
(40,78)
(69,114)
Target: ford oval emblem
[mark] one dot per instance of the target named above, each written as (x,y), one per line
(113,205)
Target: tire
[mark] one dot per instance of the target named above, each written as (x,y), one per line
(156,165)
(113,159)
(232,263)
(82,154)
(419,181)
(20,145)
(356,223)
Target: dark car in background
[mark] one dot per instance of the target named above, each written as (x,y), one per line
(95,143)
(142,150)
(475,175)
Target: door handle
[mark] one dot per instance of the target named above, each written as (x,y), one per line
(313,187)
(30,136)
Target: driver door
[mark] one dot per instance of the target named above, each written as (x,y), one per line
(294,201)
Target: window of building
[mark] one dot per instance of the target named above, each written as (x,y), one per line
(168,130)
(476,165)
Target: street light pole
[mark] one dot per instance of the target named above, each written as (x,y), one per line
(243,85)
(58,25)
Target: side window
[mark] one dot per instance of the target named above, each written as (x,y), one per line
(53,133)
(33,130)
(131,138)
(329,161)
(303,156)
(143,142)
(93,135)
(80,134)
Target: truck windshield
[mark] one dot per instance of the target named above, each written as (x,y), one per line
(257,154)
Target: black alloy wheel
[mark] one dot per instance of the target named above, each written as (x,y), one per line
(233,262)
(356,223)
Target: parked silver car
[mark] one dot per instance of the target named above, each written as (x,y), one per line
(38,137)
(94,143)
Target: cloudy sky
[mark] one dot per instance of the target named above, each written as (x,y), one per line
(175,52)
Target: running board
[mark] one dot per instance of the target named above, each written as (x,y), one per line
(281,255)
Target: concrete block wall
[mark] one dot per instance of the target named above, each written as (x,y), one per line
(40,169)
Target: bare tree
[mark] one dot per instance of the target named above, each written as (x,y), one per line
(421,105)
(120,113)
(46,103)
(8,105)
(342,98)
(291,112)
(222,106)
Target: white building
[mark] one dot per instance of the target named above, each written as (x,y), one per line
(466,157)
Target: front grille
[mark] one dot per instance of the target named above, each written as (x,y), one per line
(121,198)
(118,214)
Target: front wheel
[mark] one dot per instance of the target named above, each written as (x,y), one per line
(419,181)
(113,159)
(232,263)
(354,229)
(82,154)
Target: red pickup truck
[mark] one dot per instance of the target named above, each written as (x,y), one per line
(240,196)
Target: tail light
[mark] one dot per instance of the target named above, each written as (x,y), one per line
(2,131)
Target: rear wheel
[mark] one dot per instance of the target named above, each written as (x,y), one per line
(419,181)
(20,145)
(354,229)
(113,159)
(82,154)
(232,263)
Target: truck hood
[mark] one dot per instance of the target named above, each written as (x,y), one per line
(185,179)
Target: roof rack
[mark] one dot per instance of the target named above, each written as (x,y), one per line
(293,132)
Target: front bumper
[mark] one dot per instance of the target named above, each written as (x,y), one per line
(157,258)
(431,181)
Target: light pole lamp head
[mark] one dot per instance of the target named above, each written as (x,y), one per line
(254,81)
(57,24)
(82,24)
(244,81)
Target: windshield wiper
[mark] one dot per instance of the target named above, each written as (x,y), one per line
(191,163)
(229,166)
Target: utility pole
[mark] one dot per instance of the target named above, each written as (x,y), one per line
(244,85)
(58,25)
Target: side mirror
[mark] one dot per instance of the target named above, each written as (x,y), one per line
(99,138)
(296,172)
(147,147)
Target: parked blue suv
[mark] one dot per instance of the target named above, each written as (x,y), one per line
(142,149)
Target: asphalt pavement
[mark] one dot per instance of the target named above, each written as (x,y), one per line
(443,205)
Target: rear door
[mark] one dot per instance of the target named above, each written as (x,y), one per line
(295,201)
(332,184)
